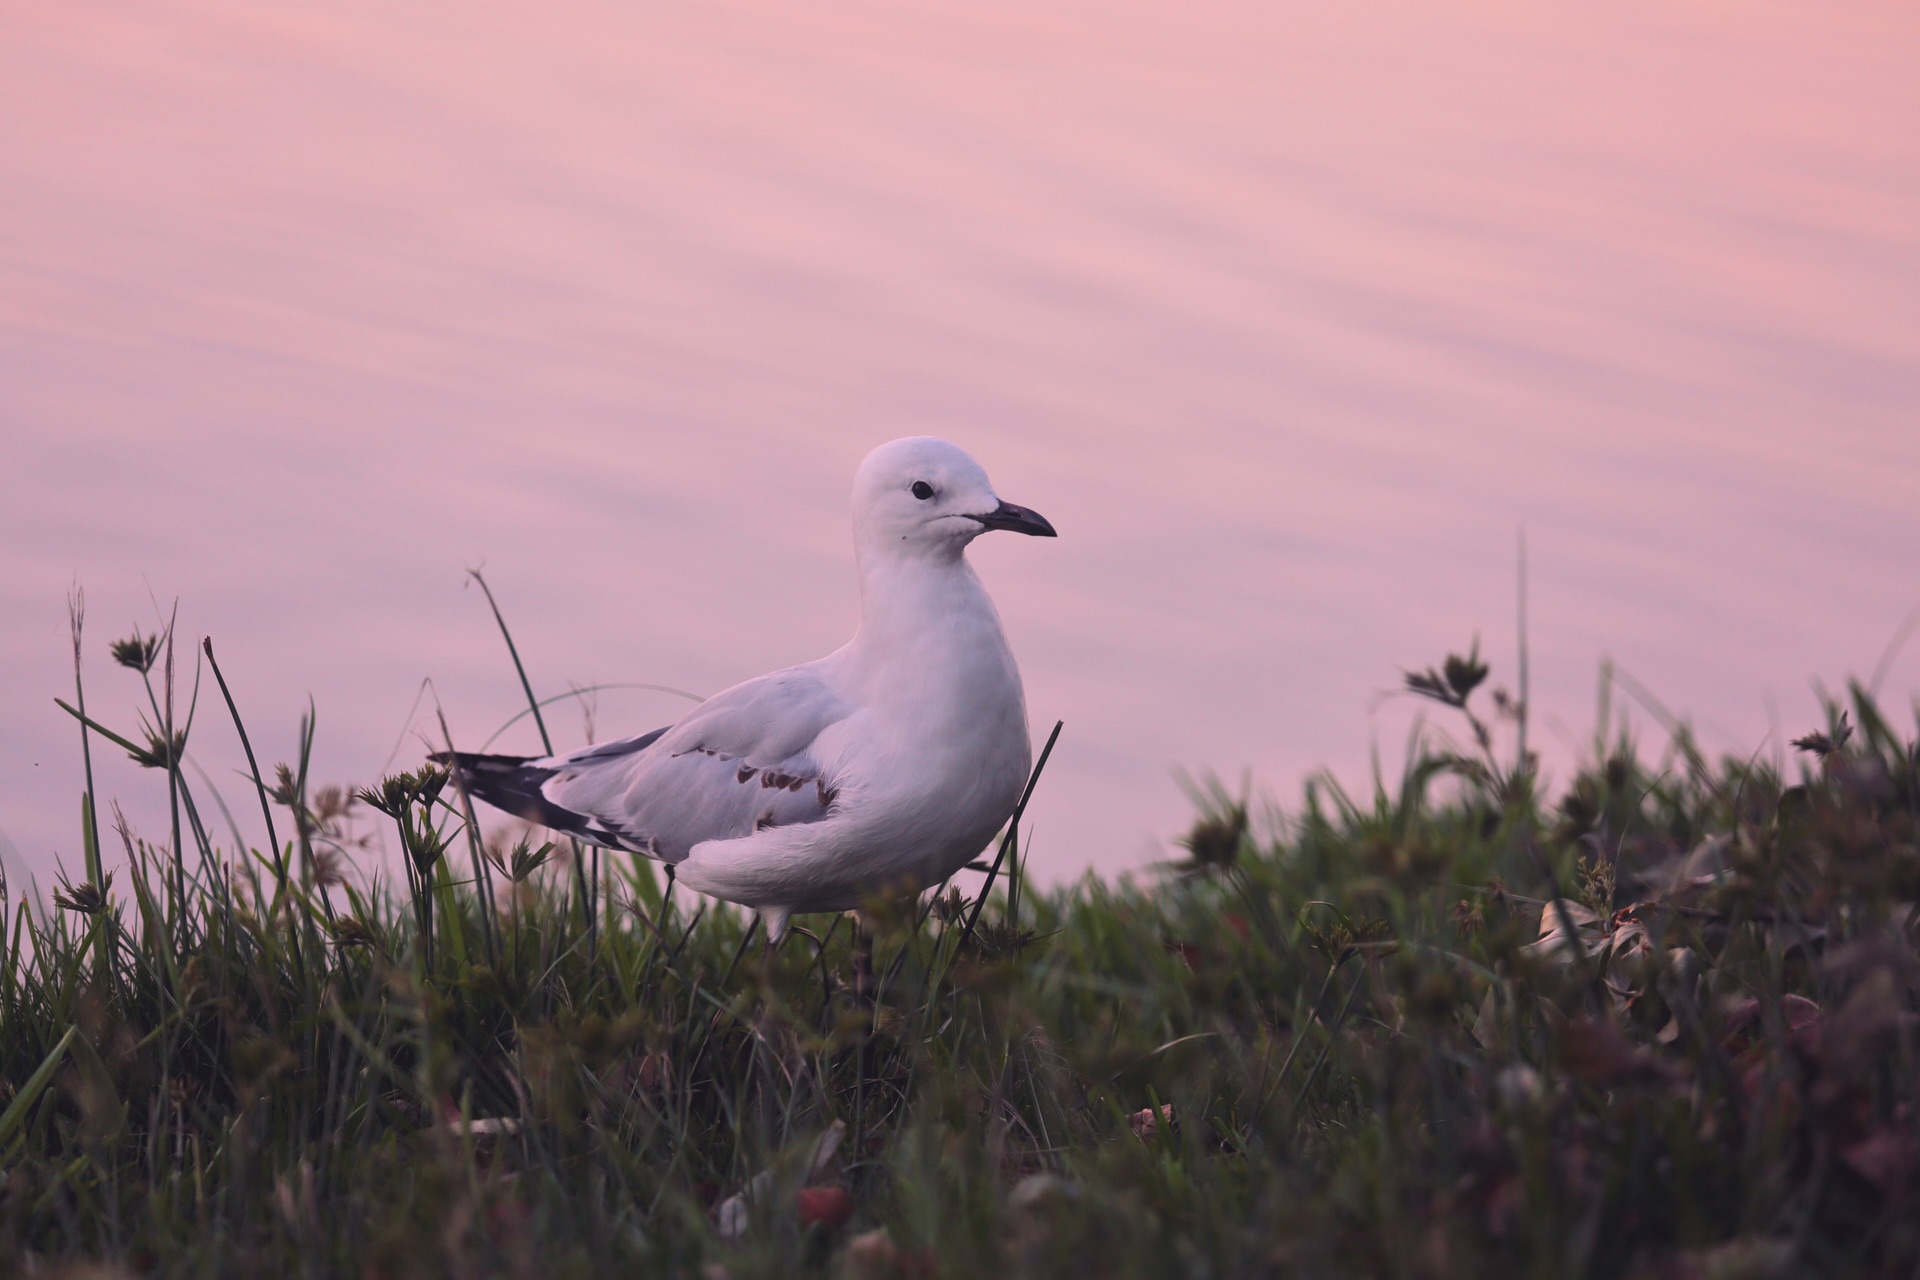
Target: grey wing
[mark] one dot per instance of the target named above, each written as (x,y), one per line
(738,764)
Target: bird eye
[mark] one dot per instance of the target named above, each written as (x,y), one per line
(922,490)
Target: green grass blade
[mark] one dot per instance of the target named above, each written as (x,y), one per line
(29,1093)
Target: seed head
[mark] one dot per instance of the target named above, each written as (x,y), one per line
(1821,744)
(1454,681)
(397,791)
(160,752)
(86,898)
(351,931)
(137,652)
(1216,838)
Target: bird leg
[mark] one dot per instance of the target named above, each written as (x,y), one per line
(863,984)
(863,993)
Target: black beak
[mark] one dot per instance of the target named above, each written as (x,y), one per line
(1018,519)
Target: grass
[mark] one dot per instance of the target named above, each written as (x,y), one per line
(1660,1025)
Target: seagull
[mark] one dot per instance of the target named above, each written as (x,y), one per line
(884,767)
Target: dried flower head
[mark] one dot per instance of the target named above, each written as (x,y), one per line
(525,859)
(160,752)
(1823,745)
(86,897)
(351,931)
(332,802)
(1217,837)
(397,791)
(137,652)
(950,907)
(507,859)
(1002,940)
(1454,682)
(325,867)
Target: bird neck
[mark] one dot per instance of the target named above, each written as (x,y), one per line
(914,605)
(930,646)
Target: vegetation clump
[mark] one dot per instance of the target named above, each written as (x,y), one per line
(1661,1026)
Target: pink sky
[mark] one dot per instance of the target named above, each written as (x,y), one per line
(1288,318)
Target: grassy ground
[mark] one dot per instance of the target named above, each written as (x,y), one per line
(1660,1025)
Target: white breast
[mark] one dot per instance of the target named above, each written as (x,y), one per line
(925,768)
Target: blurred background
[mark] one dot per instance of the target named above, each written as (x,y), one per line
(1290,317)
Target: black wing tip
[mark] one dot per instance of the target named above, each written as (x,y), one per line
(512,785)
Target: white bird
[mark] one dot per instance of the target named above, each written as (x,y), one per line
(883,767)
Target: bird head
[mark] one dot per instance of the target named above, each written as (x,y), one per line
(925,496)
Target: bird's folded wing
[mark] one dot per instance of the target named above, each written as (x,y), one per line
(738,764)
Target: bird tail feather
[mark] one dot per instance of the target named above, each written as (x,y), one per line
(513,785)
